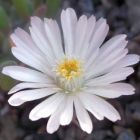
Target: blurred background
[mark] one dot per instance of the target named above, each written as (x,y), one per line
(123,16)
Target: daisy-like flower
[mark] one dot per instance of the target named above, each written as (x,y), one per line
(74,77)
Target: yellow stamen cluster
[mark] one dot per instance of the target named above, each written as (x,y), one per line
(69,68)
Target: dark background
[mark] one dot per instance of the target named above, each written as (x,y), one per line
(123,16)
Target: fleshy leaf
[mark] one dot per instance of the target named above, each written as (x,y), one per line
(52,7)
(4,23)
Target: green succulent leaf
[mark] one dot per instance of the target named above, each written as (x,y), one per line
(4,23)
(6,82)
(23,7)
(52,7)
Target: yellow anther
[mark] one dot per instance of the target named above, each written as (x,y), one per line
(69,68)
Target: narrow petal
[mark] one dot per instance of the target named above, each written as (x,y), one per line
(91,59)
(90,107)
(54,37)
(111,77)
(112,44)
(25,74)
(102,107)
(25,39)
(26,85)
(54,120)
(116,52)
(68,21)
(24,56)
(80,34)
(82,116)
(47,107)
(67,113)
(102,64)
(90,27)
(105,65)
(128,60)
(89,32)
(30,95)
(26,45)
(38,35)
(113,90)
(100,32)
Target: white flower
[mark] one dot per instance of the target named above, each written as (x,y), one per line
(76,76)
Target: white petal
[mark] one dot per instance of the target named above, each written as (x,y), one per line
(24,57)
(113,90)
(102,64)
(67,113)
(25,40)
(80,34)
(22,86)
(112,44)
(82,116)
(30,95)
(54,37)
(54,120)
(90,107)
(90,28)
(47,107)
(89,31)
(26,50)
(115,53)
(68,21)
(102,107)
(27,46)
(91,59)
(128,60)
(105,65)
(33,61)
(100,32)
(111,77)
(37,31)
(25,74)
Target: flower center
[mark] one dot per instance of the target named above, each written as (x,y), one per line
(69,69)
